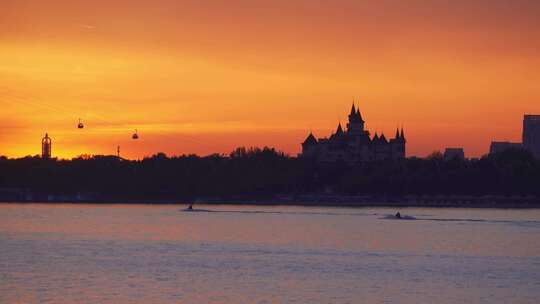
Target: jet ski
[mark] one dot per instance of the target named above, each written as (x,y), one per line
(398,216)
(191,209)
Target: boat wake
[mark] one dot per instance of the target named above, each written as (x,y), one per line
(196,210)
(277,212)
(528,223)
(393,217)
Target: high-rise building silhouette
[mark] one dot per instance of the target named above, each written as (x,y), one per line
(354,144)
(454,153)
(501,146)
(46,144)
(531,134)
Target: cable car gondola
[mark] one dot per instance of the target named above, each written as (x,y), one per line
(80,125)
(135,136)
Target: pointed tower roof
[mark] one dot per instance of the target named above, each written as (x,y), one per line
(310,140)
(397,133)
(402,135)
(339,129)
(383,138)
(375,137)
(358,115)
(353,109)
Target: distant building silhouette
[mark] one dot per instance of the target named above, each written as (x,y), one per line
(453,153)
(531,134)
(501,146)
(46,144)
(354,144)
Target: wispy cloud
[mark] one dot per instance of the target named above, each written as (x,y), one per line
(87,26)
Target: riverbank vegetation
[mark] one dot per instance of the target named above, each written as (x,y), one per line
(267,173)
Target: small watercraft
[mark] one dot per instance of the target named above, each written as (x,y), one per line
(189,208)
(398,216)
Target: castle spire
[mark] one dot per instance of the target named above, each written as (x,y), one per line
(358,115)
(353,109)
(402,135)
(382,138)
(339,129)
(310,140)
(397,133)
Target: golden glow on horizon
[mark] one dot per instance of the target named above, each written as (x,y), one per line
(196,78)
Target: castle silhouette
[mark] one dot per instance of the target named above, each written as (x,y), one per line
(355,144)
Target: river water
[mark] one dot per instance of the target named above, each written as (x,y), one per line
(69,253)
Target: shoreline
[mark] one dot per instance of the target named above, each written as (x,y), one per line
(422,201)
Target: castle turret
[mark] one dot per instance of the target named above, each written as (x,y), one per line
(356,123)
(339,130)
(398,144)
(309,146)
(383,139)
(310,140)
(359,116)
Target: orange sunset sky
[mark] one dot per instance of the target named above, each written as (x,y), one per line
(208,76)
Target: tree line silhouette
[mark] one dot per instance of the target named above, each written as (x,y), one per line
(265,173)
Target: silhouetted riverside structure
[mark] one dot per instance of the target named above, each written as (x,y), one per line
(501,146)
(46,146)
(451,153)
(354,145)
(267,175)
(531,134)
